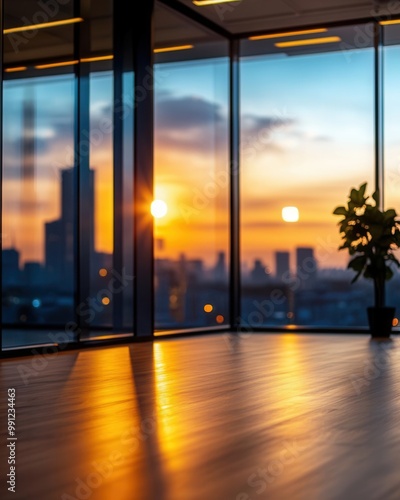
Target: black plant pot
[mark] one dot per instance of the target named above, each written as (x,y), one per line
(380,321)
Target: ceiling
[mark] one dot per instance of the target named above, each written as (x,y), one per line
(234,19)
(246,16)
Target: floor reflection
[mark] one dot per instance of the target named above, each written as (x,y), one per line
(278,417)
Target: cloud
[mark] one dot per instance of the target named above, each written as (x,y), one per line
(189,124)
(261,134)
(22,206)
(197,125)
(322,138)
(188,112)
(256,224)
(257,204)
(54,138)
(256,125)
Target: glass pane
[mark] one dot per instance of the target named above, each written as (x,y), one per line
(127,198)
(191,176)
(38,201)
(391,59)
(40,180)
(38,175)
(101,164)
(307,138)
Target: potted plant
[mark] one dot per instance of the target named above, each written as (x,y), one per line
(371,236)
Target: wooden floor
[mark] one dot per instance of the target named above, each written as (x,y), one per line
(285,416)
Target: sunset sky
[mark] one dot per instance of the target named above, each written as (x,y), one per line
(307,138)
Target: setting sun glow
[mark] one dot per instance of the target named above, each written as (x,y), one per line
(159,209)
(290,214)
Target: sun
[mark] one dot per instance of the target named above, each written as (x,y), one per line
(158,209)
(290,214)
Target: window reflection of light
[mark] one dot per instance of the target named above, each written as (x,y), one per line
(109,409)
(168,401)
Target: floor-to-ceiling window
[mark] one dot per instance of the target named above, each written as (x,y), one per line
(38,172)
(43,157)
(307,138)
(391,134)
(191,175)
(38,201)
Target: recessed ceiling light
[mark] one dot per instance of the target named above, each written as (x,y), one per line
(15,69)
(70,63)
(39,26)
(98,58)
(308,41)
(288,33)
(200,3)
(392,21)
(171,49)
(56,65)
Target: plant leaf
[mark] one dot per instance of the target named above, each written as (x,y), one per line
(357,263)
(376,197)
(376,231)
(362,189)
(340,211)
(389,214)
(388,274)
(354,196)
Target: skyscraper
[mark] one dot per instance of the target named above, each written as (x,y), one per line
(220,271)
(282,264)
(10,267)
(259,273)
(306,264)
(59,234)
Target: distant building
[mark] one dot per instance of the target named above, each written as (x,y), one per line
(11,274)
(282,264)
(259,273)
(59,234)
(220,270)
(306,265)
(34,275)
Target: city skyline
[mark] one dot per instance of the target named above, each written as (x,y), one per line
(280,140)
